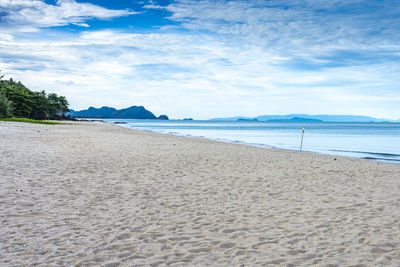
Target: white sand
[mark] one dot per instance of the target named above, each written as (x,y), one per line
(93,194)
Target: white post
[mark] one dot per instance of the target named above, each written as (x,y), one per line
(302,135)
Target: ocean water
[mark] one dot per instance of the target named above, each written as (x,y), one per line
(376,141)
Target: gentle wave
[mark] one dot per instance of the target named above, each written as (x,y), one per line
(371,153)
(383,159)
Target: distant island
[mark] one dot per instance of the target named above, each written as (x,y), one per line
(242,119)
(305,118)
(298,119)
(133,112)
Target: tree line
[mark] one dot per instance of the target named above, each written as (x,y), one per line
(16,100)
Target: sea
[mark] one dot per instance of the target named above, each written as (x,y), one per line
(375,141)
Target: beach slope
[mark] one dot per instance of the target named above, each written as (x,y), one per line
(94,194)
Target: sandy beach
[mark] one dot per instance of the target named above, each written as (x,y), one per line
(95,194)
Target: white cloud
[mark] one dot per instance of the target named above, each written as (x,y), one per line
(82,24)
(293,25)
(29,15)
(190,75)
(6,37)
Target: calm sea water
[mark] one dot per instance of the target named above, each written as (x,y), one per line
(378,141)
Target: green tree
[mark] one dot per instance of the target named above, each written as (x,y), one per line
(40,106)
(57,106)
(21,97)
(6,106)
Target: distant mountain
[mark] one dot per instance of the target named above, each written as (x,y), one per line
(242,119)
(233,119)
(305,117)
(163,117)
(134,112)
(298,119)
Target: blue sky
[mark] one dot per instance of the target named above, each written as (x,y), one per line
(205,59)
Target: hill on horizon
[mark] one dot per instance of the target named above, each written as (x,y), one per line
(306,117)
(133,112)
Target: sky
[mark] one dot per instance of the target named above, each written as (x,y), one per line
(205,59)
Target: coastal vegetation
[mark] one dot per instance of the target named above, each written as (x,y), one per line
(30,121)
(16,100)
(6,106)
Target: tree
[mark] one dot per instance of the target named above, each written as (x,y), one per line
(40,106)
(58,105)
(20,96)
(6,106)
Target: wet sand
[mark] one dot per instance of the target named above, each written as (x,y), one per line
(95,194)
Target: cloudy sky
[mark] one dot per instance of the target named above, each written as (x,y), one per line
(209,58)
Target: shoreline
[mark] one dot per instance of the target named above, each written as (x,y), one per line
(370,158)
(93,193)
